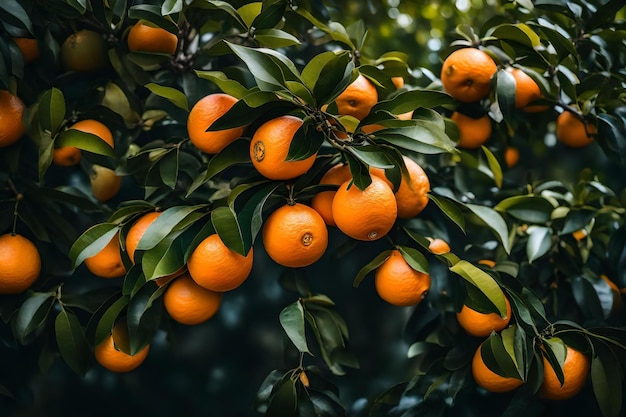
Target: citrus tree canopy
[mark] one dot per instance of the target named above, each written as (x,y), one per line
(312,208)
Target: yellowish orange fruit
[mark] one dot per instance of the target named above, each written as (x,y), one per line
(216,267)
(398,81)
(511,156)
(295,235)
(188,303)
(482,324)
(571,131)
(466,74)
(21,263)
(145,37)
(322,202)
(398,283)
(365,215)
(11,111)
(108,262)
(105,183)
(438,246)
(575,370)
(269,148)
(472,132)
(490,380)
(113,359)
(203,114)
(137,230)
(358,98)
(29,48)
(526,91)
(84,51)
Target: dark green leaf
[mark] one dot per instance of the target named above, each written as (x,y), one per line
(51,110)
(171,6)
(84,141)
(483,281)
(450,208)
(494,221)
(539,242)
(177,97)
(225,222)
(144,315)
(108,319)
(33,314)
(71,341)
(414,258)
(92,241)
(227,85)
(14,13)
(292,320)
(371,266)
(605,374)
(152,13)
(174,218)
(527,208)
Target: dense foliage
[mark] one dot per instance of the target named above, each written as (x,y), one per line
(553,223)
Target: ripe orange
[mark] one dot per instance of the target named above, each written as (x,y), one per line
(487,262)
(472,132)
(323,202)
(295,235)
(84,51)
(511,156)
(144,37)
(108,262)
(202,115)
(365,215)
(270,146)
(466,74)
(526,91)
(217,268)
(137,230)
(481,324)
(20,262)
(105,183)
(398,82)
(11,110)
(575,370)
(398,283)
(438,246)
(580,234)
(70,155)
(488,379)
(188,303)
(29,48)
(115,360)
(571,131)
(358,98)
(412,195)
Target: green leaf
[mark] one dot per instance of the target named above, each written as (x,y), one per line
(32,315)
(225,222)
(152,13)
(517,32)
(84,141)
(555,351)
(144,316)
(483,281)
(494,166)
(223,6)
(283,400)
(527,208)
(71,341)
(14,14)
(414,258)
(605,375)
(168,256)
(372,156)
(334,30)
(271,14)
(328,74)
(421,136)
(177,97)
(292,320)
(108,319)
(407,101)
(539,242)
(174,218)
(450,208)
(51,109)
(171,6)
(305,143)
(494,221)
(371,266)
(228,86)
(497,358)
(92,241)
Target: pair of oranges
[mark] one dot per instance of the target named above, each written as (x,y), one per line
(575,366)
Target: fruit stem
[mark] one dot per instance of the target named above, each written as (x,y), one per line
(18,197)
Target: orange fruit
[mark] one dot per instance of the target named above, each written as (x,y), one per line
(137,230)
(144,37)
(105,183)
(398,82)
(412,195)
(472,132)
(322,202)
(482,324)
(487,262)
(398,283)
(511,156)
(29,48)
(216,267)
(575,370)
(526,91)
(571,131)
(270,146)
(202,115)
(108,262)
(580,234)
(188,303)
(358,98)
(295,235)
(490,380)
(438,246)
(304,379)
(365,215)
(20,262)
(466,74)
(11,126)
(115,360)
(84,51)
(70,155)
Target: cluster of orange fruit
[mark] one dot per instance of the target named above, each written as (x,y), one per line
(467,75)
(576,365)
